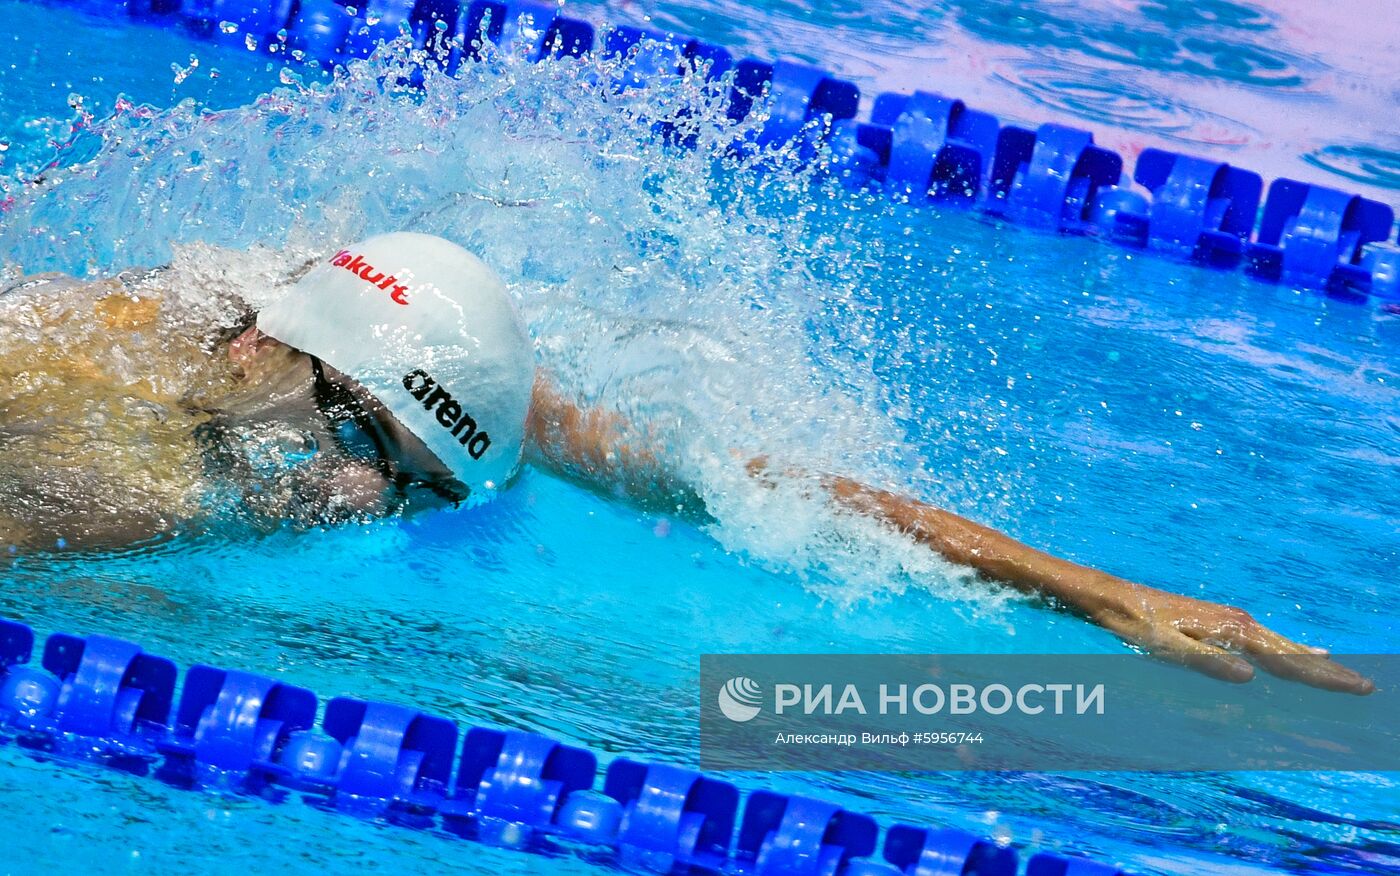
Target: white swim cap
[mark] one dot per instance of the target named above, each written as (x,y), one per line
(429,330)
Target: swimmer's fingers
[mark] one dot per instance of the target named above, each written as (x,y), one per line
(1215,640)
(1228,632)
(1279,655)
(1169,644)
(1317,670)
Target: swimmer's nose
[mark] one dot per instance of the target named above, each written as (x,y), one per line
(244,348)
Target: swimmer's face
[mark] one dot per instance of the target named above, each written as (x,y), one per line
(274,379)
(253,348)
(289,375)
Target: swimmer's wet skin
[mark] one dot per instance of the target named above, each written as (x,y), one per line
(395,376)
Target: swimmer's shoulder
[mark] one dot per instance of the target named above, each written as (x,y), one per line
(117,303)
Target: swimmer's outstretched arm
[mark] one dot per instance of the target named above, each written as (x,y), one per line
(1204,635)
(603,449)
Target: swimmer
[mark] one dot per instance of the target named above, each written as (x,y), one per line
(395,376)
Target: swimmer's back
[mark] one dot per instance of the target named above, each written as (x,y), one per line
(96,425)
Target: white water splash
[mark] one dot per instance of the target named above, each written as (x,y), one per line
(679,286)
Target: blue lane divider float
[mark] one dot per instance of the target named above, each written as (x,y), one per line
(672,816)
(803,100)
(923,148)
(1199,208)
(798,835)
(925,852)
(924,145)
(1049,178)
(389,756)
(1315,235)
(106,699)
(106,688)
(234,721)
(508,780)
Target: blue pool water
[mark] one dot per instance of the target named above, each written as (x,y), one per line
(1190,429)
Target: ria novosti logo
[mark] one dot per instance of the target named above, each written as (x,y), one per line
(740,699)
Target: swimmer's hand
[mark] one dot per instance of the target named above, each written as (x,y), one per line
(1207,636)
(1215,639)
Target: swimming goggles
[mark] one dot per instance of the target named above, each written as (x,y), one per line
(364,436)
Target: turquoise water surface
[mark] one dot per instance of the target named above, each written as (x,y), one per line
(1190,429)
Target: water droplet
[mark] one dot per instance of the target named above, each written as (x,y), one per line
(228,27)
(251,42)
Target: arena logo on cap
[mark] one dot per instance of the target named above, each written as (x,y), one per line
(356,264)
(449,411)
